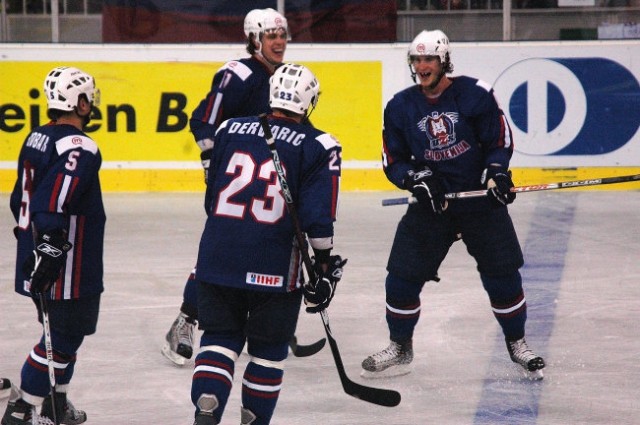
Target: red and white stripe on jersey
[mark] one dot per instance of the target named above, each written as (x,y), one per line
(213,112)
(506,140)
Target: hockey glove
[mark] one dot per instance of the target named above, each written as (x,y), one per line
(205,158)
(499,184)
(427,189)
(319,292)
(44,264)
(206,146)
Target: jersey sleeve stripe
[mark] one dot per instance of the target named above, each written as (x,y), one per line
(215,113)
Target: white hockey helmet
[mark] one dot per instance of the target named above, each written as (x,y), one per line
(64,85)
(252,22)
(259,21)
(294,88)
(430,43)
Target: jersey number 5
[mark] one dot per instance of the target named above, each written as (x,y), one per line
(266,209)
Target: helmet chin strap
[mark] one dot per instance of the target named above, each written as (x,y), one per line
(413,72)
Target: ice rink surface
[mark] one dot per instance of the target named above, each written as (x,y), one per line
(581,282)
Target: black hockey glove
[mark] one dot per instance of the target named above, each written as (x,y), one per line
(427,189)
(205,158)
(499,184)
(46,261)
(318,293)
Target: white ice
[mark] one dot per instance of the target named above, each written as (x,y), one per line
(581,282)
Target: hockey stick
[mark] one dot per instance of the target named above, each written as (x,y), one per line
(379,396)
(520,189)
(306,350)
(49,351)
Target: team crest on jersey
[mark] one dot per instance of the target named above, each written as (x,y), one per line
(264,280)
(441,134)
(440,129)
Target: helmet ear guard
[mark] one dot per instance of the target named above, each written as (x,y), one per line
(294,88)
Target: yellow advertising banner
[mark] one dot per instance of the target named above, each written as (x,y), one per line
(142,125)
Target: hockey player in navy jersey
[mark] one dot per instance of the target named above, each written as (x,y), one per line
(249,266)
(448,134)
(57,204)
(239,88)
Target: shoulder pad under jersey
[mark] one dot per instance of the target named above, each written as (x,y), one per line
(76,141)
(327,141)
(484,85)
(241,70)
(224,124)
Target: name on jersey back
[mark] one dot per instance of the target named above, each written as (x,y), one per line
(279,133)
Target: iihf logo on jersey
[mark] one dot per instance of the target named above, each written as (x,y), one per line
(440,129)
(264,279)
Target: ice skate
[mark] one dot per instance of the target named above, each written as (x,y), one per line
(69,414)
(521,354)
(392,361)
(19,412)
(5,387)
(179,340)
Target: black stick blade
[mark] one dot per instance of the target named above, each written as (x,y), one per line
(379,396)
(306,350)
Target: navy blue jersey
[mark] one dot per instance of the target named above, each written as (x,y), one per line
(248,240)
(58,189)
(457,135)
(240,88)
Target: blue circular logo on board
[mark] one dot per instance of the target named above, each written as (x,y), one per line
(569,106)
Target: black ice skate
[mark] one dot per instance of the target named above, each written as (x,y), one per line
(19,412)
(66,413)
(521,354)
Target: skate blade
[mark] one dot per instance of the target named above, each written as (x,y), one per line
(534,375)
(5,393)
(80,419)
(175,358)
(389,372)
